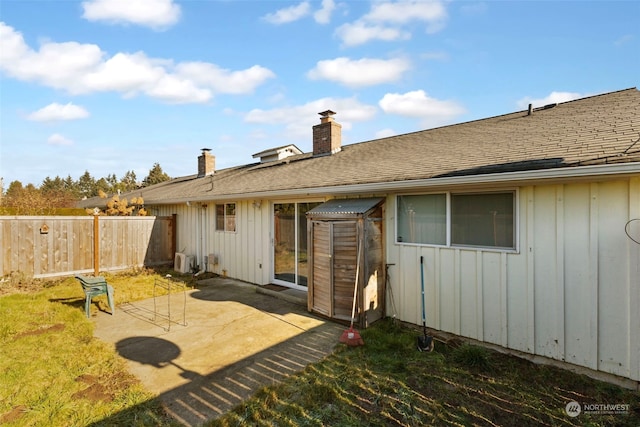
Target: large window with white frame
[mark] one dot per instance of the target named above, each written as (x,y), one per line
(486,219)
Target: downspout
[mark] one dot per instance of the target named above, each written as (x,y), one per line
(202,230)
(198,228)
(205,235)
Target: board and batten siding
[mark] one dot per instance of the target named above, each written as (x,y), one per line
(244,254)
(570,293)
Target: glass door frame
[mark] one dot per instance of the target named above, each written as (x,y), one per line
(272,277)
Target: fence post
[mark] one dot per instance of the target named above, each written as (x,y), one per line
(96,246)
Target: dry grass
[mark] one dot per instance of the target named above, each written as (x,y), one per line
(54,372)
(388,382)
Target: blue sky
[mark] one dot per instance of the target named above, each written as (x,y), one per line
(108,86)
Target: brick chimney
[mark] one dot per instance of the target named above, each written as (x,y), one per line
(327,136)
(206,163)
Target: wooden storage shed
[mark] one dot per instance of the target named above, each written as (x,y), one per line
(345,236)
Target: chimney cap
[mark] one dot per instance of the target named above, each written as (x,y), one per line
(327,113)
(205,149)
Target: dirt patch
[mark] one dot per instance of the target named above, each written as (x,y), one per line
(41,330)
(87,379)
(95,392)
(122,381)
(7,288)
(104,389)
(20,283)
(14,414)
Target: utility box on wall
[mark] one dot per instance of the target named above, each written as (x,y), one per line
(345,237)
(182,262)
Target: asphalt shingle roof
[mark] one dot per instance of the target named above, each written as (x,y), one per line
(595,130)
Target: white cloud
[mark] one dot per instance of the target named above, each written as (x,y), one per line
(123,72)
(288,14)
(361,72)
(222,80)
(175,90)
(157,14)
(433,13)
(386,19)
(55,111)
(56,65)
(299,119)
(357,33)
(552,98)
(57,139)
(323,15)
(418,104)
(85,68)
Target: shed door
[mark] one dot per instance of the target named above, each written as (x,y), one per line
(334,251)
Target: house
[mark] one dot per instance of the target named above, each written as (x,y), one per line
(520,220)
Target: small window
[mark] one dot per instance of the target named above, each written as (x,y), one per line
(423,219)
(226,217)
(469,219)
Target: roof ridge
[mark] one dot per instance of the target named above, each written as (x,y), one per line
(597,95)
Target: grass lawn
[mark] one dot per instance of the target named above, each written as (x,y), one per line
(54,372)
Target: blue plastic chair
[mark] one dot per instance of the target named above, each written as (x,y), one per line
(94,286)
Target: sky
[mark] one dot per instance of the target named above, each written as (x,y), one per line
(111,86)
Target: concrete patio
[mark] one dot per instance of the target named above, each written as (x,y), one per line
(225,340)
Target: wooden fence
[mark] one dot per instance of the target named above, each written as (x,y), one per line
(47,246)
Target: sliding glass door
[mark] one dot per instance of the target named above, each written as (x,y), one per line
(290,243)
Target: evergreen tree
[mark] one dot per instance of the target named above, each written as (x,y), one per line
(72,187)
(55,193)
(50,185)
(104,185)
(129,181)
(113,183)
(14,190)
(87,185)
(156,176)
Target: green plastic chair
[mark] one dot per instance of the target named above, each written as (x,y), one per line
(94,286)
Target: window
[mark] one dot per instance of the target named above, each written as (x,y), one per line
(226,217)
(458,219)
(423,219)
(482,220)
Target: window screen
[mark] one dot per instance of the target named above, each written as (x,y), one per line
(423,219)
(482,219)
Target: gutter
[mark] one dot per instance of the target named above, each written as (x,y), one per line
(573,174)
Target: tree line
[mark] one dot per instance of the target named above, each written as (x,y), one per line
(58,196)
